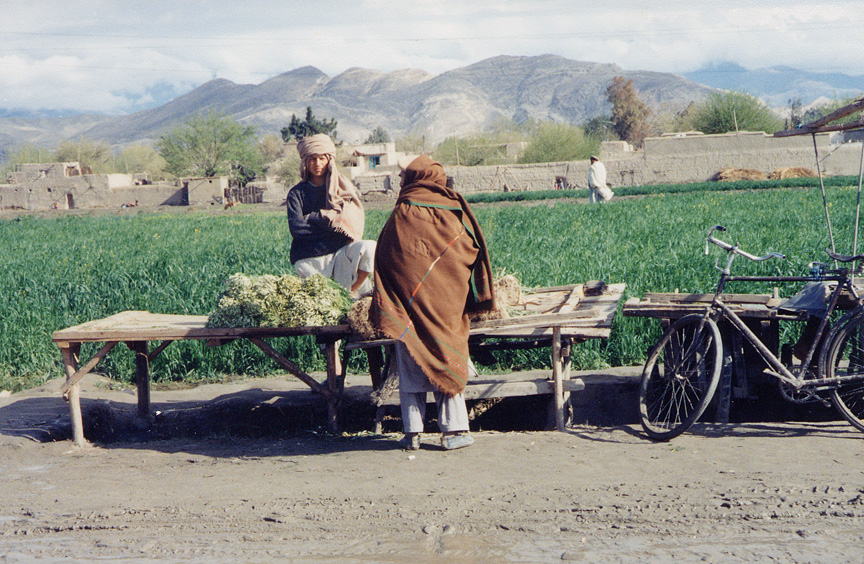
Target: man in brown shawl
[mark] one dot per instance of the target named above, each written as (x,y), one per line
(326,219)
(432,269)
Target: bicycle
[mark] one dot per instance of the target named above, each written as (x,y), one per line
(684,366)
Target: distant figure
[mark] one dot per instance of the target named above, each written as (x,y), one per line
(598,189)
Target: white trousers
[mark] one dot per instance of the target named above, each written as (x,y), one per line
(413,387)
(342,266)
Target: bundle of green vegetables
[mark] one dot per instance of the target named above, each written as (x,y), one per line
(279,301)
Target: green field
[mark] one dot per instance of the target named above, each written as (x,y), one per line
(65,270)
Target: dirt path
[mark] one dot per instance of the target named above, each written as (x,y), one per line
(727,494)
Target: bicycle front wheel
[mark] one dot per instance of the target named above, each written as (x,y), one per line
(846,360)
(680,377)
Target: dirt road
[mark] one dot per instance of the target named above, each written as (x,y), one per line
(763,492)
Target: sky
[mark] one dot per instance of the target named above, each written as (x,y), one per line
(117,57)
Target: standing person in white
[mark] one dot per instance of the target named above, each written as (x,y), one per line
(598,191)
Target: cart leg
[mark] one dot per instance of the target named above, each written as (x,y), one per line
(74,395)
(142,378)
(557,370)
(335,379)
(375,357)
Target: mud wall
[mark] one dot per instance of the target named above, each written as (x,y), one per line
(669,160)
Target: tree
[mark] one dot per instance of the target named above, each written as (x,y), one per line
(209,145)
(287,169)
(734,111)
(92,155)
(557,142)
(378,135)
(297,129)
(629,113)
(413,144)
(140,158)
(29,154)
(818,112)
(471,151)
(600,127)
(271,148)
(794,120)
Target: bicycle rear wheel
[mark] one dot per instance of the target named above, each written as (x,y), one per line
(680,377)
(846,359)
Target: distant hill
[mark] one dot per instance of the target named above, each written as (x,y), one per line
(411,101)
(777,85)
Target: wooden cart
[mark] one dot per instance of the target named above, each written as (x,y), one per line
(762,314)
(137,328)
(555,317)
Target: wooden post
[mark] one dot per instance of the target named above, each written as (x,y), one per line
(73,395)
(566,361)
(556,378)
(142,377)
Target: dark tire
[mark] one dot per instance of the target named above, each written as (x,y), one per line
(845,358)
(680,377)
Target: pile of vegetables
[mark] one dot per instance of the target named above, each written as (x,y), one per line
(279,301)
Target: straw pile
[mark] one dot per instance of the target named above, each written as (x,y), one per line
(732,174)
(508,293)
(792,172)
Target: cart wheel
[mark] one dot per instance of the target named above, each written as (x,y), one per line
(680,377)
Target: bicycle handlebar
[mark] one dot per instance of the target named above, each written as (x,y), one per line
(734,248)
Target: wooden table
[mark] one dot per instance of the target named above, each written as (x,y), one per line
(137,328)
(557,317)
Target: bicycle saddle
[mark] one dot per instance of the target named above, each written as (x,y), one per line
(843,258)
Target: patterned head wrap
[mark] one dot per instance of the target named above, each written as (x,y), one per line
(344,207)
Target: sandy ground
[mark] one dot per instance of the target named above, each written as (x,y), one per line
(752,492)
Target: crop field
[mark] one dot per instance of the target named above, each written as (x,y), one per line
(65,270)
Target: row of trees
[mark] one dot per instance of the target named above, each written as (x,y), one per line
(214,144)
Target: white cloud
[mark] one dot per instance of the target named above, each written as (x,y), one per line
(96,56)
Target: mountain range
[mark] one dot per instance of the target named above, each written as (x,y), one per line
(404,102)
(776,86)
(413,102)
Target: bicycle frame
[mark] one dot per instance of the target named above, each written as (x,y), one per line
(719,309)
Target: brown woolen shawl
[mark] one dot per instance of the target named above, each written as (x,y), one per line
(344,207)
(431,269)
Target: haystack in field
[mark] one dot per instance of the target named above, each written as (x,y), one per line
(732,174)
(792,172)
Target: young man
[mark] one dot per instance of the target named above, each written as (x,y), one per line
(432,268)
(326,219)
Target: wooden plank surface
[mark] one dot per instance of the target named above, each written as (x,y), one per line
(145,326)
(504,386)
(635,307)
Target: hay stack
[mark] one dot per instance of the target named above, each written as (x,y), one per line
(792,172)
(732,174)
(508,292)
(358,320)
